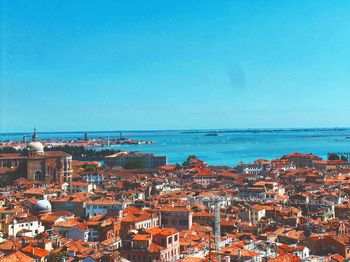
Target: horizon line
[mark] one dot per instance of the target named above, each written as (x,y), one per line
(174,130)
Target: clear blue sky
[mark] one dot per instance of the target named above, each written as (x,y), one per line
(110,65)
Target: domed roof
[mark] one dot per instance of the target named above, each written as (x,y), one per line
(42,206)
(35,146)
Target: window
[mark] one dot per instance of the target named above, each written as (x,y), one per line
(175,238)
(170,240)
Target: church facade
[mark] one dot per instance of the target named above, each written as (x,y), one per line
(36,165)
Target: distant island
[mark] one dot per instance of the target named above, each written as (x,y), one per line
(264,130)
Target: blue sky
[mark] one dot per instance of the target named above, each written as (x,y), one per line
(111,65)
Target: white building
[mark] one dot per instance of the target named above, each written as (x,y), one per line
(25,225)
(257,213)
(102,206)
(73,229)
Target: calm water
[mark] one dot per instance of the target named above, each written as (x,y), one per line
(228,148)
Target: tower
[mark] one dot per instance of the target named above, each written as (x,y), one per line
(217,230)
(34,136)
(217,227)
(35,159)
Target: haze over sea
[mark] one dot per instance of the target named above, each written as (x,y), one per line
(229,147)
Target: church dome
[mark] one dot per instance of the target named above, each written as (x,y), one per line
(42,206)
(35,146)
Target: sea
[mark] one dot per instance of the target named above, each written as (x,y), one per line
(220,147)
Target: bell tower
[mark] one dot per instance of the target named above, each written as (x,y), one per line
(36,167)
(34,136)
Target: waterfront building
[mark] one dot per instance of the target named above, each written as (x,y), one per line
(36,164)
(135,160)
(302,160)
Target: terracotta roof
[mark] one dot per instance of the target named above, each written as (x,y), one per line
(22,218)
(154,247)
(168,231)
(38,252)
(337,258)
(141,237)
(285,258)
(56,154)
(176,209)
(17,257)
(12,155)
(13,244)
(104,201)
(72,222)
(51,217)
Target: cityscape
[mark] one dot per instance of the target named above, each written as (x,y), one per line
(133,206)
(165,131)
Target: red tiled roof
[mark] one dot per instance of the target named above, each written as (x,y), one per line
(17,257)
(285,258)
(38,252)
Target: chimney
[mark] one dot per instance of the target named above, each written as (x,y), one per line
(239,254)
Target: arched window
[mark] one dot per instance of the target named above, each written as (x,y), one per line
(37,176)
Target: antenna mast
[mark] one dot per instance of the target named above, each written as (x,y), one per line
(216,201)
(217,227)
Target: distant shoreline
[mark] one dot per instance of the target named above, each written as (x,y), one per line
(189,131)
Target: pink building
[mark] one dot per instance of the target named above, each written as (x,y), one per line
(154,244)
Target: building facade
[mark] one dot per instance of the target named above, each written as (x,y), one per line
(135,160)
(36,165)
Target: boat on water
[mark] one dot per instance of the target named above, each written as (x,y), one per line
(212,134)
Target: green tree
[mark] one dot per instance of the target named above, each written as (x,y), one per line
(178,166)
(189,161)
(344,158)
(333,156)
